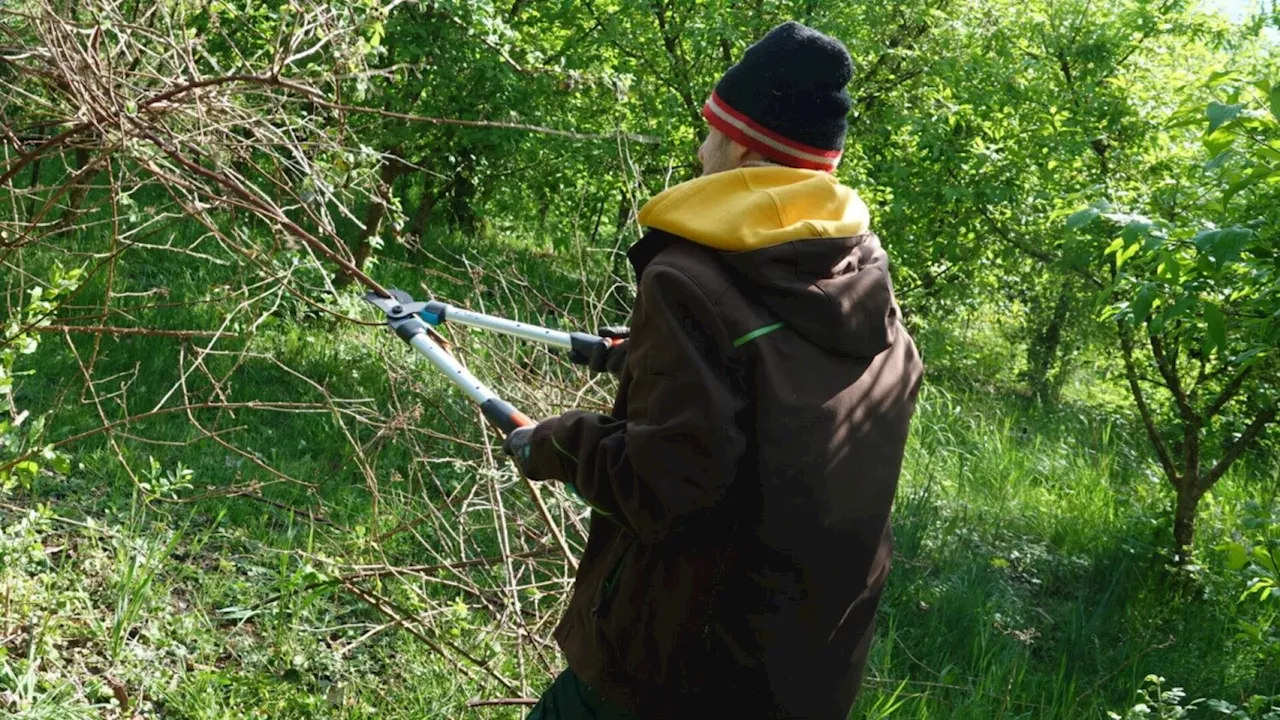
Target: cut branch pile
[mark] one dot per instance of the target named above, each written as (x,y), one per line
(126,135)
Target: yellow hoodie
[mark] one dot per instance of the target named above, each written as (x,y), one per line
(757,207)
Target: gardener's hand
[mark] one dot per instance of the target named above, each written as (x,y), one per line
(608,357)
(517,445)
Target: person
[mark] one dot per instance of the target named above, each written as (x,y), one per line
(740,488)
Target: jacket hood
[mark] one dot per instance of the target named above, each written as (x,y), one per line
(756,207)
(801,243)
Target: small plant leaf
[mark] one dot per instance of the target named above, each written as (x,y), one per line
(1220,114)
(1224,244)
(1142,302)
(1237,556)
(1264,558)
(1219,141)
(1213,318)
(1082,218)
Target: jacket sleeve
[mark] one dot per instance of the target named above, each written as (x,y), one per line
(678,450)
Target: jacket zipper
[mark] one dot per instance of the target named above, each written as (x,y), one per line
(606,588)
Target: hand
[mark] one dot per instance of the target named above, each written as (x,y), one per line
(606,357)
(518,446)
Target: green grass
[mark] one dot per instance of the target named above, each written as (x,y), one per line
(1031,575)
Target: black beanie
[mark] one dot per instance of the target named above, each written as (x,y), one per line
(786,98)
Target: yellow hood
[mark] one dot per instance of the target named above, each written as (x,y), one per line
(757,207)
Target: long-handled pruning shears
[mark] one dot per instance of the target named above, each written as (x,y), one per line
(410,320)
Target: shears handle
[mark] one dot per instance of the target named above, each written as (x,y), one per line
(503,415)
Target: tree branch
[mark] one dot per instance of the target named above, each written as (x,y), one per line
(1169,371)
(146,332)
(41,149)
(1191,422)
(1228,392)
(1237,448)
(263,207)
(1139,399)
(497,702)
(251,405)
(1041,255)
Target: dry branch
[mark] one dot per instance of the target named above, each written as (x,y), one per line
(144,332)
(109,138)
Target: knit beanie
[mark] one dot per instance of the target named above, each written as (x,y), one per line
(786,98)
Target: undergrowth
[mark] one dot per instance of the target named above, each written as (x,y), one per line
(1031,578)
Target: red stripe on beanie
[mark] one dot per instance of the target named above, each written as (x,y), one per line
(753,135)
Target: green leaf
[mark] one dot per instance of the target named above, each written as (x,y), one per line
(1217,336)
(61,464)
(27,467)
(1142,302)
(1223,244)
(1129,252)
(1237,556)
(1275,100)
(1218,160)
(1259,174)
(1219,141)
(1263,558)
(1082,218)
(1137,227)
(1220,114)
(1248,357)
(1168,270)
(1180,307)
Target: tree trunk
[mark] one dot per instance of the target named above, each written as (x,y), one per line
(77,195)
(373,218)
(1043,349)
(462,203)
(418,226)
(624,211)
(34,202)
(1184,521)
(544,207)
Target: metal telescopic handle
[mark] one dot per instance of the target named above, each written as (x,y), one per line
(496,410)
(437,313)
(524,331)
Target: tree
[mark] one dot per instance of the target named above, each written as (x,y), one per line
(1195,288)
(1022,111)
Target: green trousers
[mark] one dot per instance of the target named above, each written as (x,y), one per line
(569,698)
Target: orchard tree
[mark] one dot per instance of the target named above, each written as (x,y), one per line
(1195,288)
(1020,111)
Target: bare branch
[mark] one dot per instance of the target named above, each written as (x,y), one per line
(1139,399)
(44,147)
(1228,392)
(144,332)
(1251,433)
(250,405)
(1169,371)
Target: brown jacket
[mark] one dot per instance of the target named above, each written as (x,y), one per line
(742,485)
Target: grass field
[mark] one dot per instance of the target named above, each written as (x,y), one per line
(1032,575)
